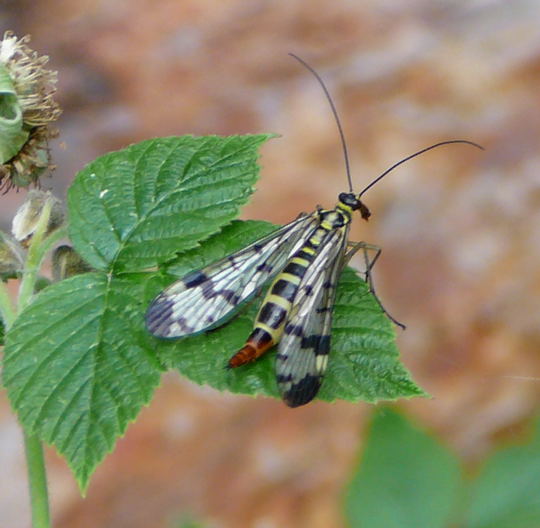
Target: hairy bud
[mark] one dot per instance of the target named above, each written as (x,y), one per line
(29,214)
(11,257)
(66,262)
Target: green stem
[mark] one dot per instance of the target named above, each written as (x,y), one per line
(39,497)
(37,478)
(7,312)
(33,259)
(36,252)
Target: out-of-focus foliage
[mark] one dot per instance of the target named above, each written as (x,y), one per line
(406,479)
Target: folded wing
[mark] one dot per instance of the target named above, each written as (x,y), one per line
(206,298)
(303,350)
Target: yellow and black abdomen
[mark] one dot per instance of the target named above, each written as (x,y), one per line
(270,320)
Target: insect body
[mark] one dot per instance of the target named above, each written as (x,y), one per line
(297,309)
(305,259)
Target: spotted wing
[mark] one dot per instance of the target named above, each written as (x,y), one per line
(303,350)
(206,298)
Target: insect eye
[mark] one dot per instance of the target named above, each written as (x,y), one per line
(350,200)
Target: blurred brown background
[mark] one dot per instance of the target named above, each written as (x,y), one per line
(459,227)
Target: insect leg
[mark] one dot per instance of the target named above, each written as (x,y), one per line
(365,247)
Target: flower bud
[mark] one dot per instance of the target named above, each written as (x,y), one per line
(11,257)
(28,215)
(66,262)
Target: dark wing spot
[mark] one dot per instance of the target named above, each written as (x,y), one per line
(296,330)
(233,263)
(159,312)
(182,323)
(208,291)
(324,309)
(311,341)
(323,347)
(230,296)
(319,343)
(284,378)
(303,391)
(264,268)
(194,279)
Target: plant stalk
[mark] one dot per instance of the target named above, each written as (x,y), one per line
(7,311)
(39,246)
(37,478)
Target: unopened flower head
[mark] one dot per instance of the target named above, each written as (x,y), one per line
(66,263)
(27,89)
(11,257)
(29,214)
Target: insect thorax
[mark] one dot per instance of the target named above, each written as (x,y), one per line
(334,218)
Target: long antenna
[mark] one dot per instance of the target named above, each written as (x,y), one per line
(417,154)
(334,111)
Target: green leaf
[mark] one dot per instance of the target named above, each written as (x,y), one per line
(12,133)
(78,366)
(2,332)
(189,522)
(136,208)
(405,478)
(364,361)
(507,492)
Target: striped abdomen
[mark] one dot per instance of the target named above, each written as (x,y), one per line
(275,308)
